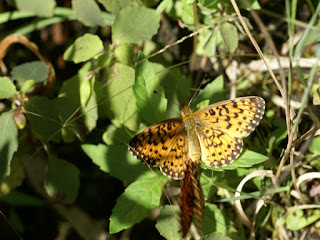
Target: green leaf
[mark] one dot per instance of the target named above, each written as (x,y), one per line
(134,24)
(296,220)
(15,179)
(8,142)
(215,237)
(84,48)
(114,6)
(26,86)
(213,92)
(116,136)
(8,89)
(125,54)
(49,117)
(247,159)
(88,12)
(116,161)
(137,201)
(36,71)
(168,224)
(119,90)
(315,145)
(62,180)
(22,199)
(89,109)
(229,35)
(214,221)
(152,106)
(41,8)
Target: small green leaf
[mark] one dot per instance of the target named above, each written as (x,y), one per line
(26,86)
(215,237)
(88,12)
(84,48)
(137,201)
(167,223)
(41,8)
(49,117)
(37,71)
(247,159)
(7,89)
(213,92)
(62,180)
(296,220)
(152,106)
(8,142)
(214,221)
(114,6)
(108,159)
(119,90)
(315,145)
(134,24)
(229,35)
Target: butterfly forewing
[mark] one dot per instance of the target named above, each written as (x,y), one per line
(237,117)
(162,144)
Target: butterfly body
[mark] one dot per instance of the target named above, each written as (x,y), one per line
(190,126)
(212,134)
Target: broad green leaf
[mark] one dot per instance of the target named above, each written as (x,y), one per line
(177,88)
(125,54)
(15,179)
(49,117)
(116,136)
(168,224)
(207,184)
(116,161)
(296,220)
(89,109)
(229,35)
(214,221)
(62,180)
(247,159)
(84,48)
(88,12)
(184,11)
(114,6)
(22,199)
(8,142)
(41,8)
(213,91)
(315,145)
(134,24)
(137,201)
(152,106)
(209,39)
(215,237)
(121,106)
(8,89)
(36,71)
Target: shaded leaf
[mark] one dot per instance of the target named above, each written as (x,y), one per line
(42,8)
(62,180)
(8,89)
(168,224)
(134,24)
(88,12)
(84,48)
(37,71)
(8,142)
(229,35)
(115,160)
(137,201)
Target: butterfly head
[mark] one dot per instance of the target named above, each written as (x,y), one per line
(185,111)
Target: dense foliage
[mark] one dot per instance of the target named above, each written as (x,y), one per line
(80,78)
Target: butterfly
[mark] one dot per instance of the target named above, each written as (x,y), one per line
(212,135)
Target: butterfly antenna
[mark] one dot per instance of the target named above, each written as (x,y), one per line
(196,92)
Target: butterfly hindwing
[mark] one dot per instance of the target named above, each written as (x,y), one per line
(174,165)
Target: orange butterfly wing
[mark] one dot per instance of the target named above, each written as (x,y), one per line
(163,144)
